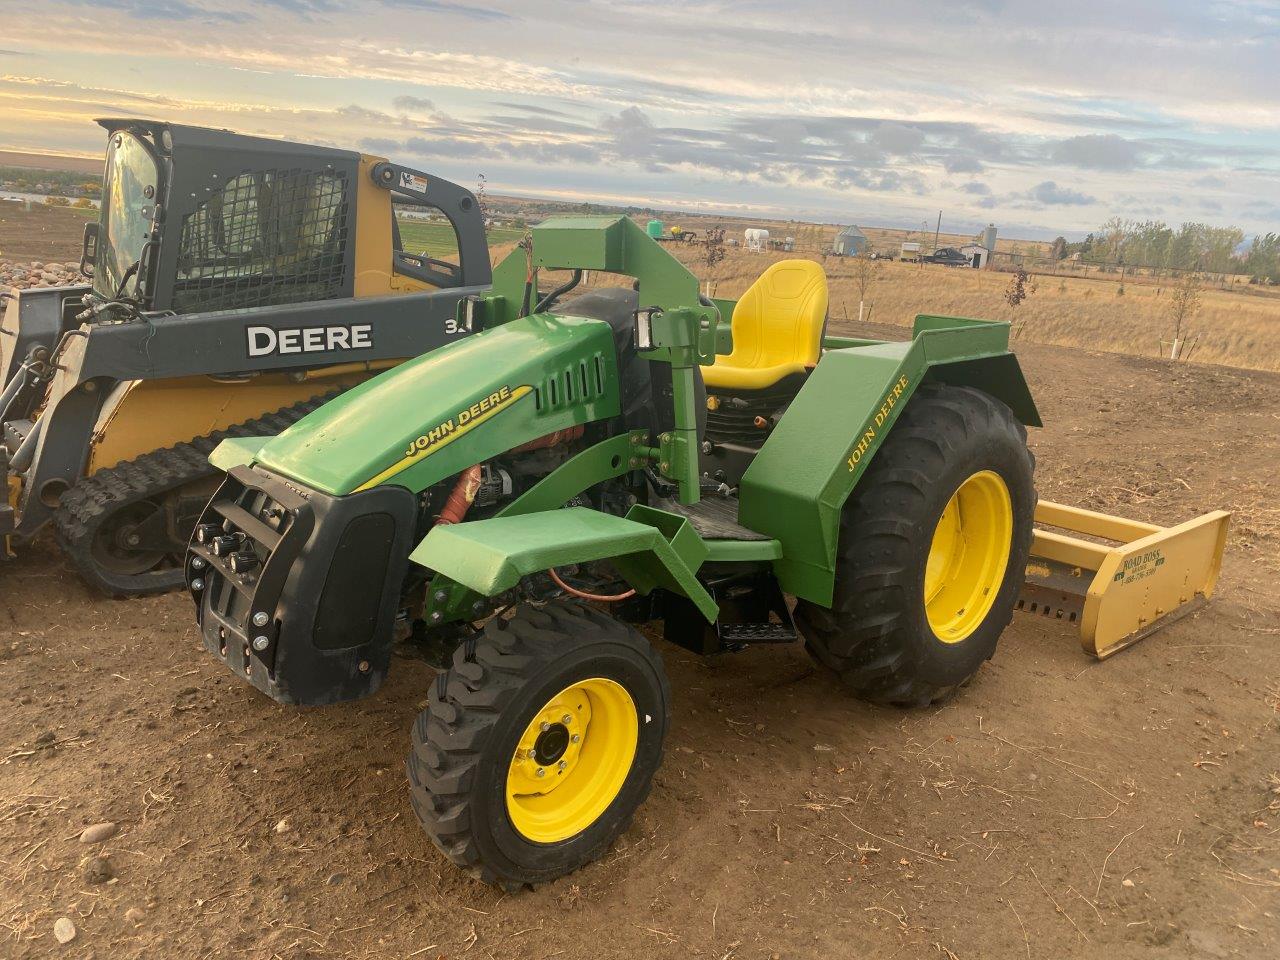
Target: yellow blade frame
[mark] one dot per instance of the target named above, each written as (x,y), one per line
(1120,592)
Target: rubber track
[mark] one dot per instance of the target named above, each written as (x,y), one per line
(859,637)
(449,737)
(91,502)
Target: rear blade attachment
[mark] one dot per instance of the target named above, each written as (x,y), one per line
(1119,591)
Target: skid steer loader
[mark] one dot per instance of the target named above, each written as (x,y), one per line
(235,283)
(628,448)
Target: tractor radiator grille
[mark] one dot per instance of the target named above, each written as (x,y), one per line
(267,237)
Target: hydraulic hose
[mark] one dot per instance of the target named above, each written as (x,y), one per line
(16,383)
(559,292)
(22,458)
(583,595)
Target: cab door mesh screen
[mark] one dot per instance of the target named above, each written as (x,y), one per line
(267,237)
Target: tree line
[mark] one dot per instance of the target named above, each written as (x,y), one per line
(1192,246)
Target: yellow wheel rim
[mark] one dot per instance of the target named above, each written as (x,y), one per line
(968,556)
(572,760)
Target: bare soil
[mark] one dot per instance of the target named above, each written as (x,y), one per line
(51,161)
(1057,807)
(40,232)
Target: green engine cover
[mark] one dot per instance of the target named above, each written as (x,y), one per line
(447,410)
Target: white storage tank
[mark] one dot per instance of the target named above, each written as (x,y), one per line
(757,239)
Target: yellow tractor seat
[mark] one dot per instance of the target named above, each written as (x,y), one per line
(777,328)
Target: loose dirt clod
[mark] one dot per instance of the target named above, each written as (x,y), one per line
(64,931)
(98,870)
(98,832)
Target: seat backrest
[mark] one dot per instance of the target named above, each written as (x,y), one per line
(779,319)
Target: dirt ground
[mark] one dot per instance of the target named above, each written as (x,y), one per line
(40,232)
(1057,808)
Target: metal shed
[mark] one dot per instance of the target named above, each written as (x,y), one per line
(849,242)
(978,255)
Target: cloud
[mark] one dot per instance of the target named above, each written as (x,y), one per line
(1098,151)
(577,102)
(963,164)
(407,104)
(1050,194)
(465,10)
(167,10)
(531,108)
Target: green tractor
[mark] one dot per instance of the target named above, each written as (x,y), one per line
(515,500)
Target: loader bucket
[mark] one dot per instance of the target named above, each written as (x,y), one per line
(1142,578)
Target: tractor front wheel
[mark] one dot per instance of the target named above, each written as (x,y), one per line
(933,550)
(539,743)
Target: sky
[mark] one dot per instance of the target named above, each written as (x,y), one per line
(1041,118)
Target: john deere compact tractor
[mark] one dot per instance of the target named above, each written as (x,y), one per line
(516,499)
(234,284)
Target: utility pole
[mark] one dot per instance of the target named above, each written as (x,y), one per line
(937,232)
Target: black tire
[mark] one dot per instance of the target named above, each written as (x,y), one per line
(463,743)
(87,512)
(877,635)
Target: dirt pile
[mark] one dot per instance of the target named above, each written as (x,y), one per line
(23,276)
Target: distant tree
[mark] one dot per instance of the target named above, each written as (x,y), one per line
(1263,259)
(1059,251)
(482,197)
(1020,287)
(866,274)
(1183,309)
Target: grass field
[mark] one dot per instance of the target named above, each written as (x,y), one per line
(438,240)
(1240,327)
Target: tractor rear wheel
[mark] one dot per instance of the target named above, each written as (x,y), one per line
(539,743)
(933,550)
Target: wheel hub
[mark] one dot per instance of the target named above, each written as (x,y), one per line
(968,556)
(551,744)
(572,760)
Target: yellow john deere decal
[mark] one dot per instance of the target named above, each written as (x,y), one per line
(445,432)
(872,431)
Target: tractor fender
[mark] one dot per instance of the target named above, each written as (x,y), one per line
(649,547)
(798,483)
(1000,376)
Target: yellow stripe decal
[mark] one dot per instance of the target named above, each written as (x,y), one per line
(444,433)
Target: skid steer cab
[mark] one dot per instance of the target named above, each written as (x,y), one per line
(233,284)
(514,502)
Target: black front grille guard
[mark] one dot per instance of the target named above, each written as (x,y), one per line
(264,620)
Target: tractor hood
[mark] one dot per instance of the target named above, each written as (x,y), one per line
(444,411)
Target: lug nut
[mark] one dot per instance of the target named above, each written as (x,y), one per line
(567,719)
(575,738)
(562,764)
(261,619)
(197,563)
(441,596)
(197,584)
(545,726)
(261,643)
(541,772)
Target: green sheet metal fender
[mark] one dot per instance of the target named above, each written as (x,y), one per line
(798,483)
(447,410)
